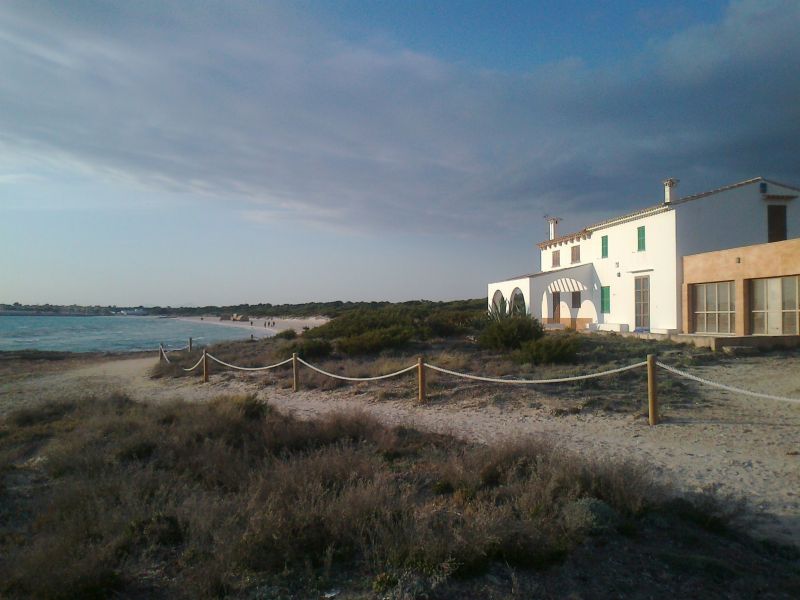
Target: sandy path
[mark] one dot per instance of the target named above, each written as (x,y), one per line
(740,445)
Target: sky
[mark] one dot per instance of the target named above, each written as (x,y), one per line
(196,153)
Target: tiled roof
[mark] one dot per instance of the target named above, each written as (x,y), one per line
(651,210)
(541,273)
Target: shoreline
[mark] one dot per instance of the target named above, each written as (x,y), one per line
(260,327)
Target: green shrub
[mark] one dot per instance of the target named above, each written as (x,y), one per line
(549,349)
(311,348)
(286,334)
(510,333)
(374,341)
(314,348)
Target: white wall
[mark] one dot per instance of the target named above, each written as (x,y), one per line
(625,263)
(565,249)
(507,288)
(579,279)
(732,218)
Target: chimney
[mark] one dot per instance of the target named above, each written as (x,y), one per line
(669,184)
(553,222)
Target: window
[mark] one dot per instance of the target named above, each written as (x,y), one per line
(556,258)
(714,307)
(604,247)
(776,223)
(640,243)
(775,305)
(605,299)
(576,254)
(576,299)
(642,302)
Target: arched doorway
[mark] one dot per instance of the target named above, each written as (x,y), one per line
(517,303)
(498,302)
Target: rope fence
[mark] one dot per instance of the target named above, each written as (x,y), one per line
(535,381)
(343,378)
(421,366)
(230,366)
(723,386)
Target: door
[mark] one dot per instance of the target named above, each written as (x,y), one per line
(556,307)
(642,302)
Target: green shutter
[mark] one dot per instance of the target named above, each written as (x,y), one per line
(605,299)
(640,238)
(604,247)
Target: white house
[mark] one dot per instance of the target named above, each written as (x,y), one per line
(626,273)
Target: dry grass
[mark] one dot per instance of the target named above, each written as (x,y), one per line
(598,352)
(113,497)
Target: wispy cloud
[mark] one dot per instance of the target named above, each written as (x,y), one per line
(264,108)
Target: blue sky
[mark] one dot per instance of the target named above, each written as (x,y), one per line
(225,152)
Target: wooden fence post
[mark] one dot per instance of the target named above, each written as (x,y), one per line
(160,354)
(652,397)
(190,344)
(205,367)
(295,373)
(421,379)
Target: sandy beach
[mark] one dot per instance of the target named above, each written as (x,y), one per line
(261,328)
(741,446)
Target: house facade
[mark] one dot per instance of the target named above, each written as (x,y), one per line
(627,273)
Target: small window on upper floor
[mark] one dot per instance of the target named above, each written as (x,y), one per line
(776,223)
(556,258)
(604,247)
(576,254)
(640,239)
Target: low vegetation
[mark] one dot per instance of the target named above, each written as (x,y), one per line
(109,498)
(510,333)
(366,344)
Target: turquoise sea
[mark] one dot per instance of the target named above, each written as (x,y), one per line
(108,334)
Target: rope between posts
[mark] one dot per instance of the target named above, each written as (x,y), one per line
(197,364)
(177,349)
(216,360)
(536,381)
(164,354)
(723,386)
(343,378)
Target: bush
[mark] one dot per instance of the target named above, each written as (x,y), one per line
(311,348)
(232,499)
(372,342)
(286,334)
(510,333)
(549,349)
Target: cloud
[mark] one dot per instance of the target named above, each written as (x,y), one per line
(265,109)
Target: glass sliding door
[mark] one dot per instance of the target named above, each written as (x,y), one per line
(775,306)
